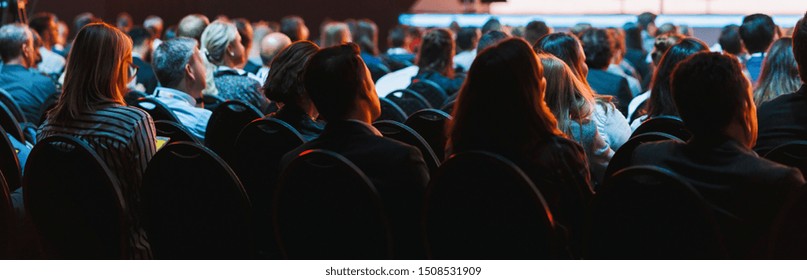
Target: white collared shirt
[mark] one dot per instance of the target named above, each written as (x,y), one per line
(184,107)
(52,63)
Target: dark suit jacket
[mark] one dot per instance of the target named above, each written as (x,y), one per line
(745,191)
(145,75)
(397,170)
(611,84)
(782,120)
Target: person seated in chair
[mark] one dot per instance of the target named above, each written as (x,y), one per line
(597,46)
(715,102)
(141,42)
(436,61)
(340,85)
(285,86)
(181,72)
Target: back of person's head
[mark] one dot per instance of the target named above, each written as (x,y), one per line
(598,47)
(271,45)
(780,73)
(334,34)
(398,37)
(501,107)
(667,29)
(567,97)
(139,35)
(800,47)
(467,38)
(244,28)
(192,26)
(714,99)
(566,47)
(97,71)
(633,37)
(285,81)
(757,32)
(686,30)
(493,24)
(535,30)
(617,41)
(216,38)
(729,39)
(170,58)
(336,78)
(645,19)
(437,52)
(294,27)
(124,21)
(13,38)
(660,101)
(578,29)
(490,39)
(661,45)
(366,36)
(83,19)
(46,25)
(155,24)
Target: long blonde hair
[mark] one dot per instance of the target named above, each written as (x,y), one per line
(567,97)
(96,73)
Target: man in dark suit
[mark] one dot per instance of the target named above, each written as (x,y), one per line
(141,52)
(29,89)
(340,85)
(784,119)
(597,46)
(746,191)
(758,33)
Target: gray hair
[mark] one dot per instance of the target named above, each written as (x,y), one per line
(192,26)
(216,38)
(170,58)
(12,37)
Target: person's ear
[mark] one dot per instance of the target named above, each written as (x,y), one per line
(189,73)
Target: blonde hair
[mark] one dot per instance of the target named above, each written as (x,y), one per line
(97,71)
(217,36)
(567,97)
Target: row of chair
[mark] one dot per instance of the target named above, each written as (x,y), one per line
(423,94)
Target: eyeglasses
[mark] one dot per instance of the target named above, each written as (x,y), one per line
(132,70)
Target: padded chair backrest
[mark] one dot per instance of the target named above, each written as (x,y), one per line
(13,107)
(258,150)
(431,125)
(391,111)
(791,154)
(10,124)
(671,125)
(646,212)
(156,109)
(10,163)
(448,107)
(8,224)
(131,97)
(482,206)
(74,201)
(409,101)
(225,123)
(326,208)
(789,228)
(624,155)
(403,133)
(175,131)
(433,93)
(212,101)
(194,206)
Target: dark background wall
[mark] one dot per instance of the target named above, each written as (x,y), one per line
(383,12)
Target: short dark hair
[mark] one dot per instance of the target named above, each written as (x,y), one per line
(493,24)
(535,30)
(645,19)
(437,52)
(397,36)
(757,32)
(285,81)
(292,26)
(139,35)
(334,80)
(490,39)
(170,58)
(244,28)
(366,36)
(800,47)
(729,39)
(598,48)
(660,101)
(41,22)
(633,37)
(467,38)
(711,86)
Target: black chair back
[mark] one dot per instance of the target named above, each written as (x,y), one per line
(789,228)
(194,206)
(13,107)
(391,111)
(434,94)
(431,125)
(258,150)
(646,212)
(177,132)
(74,201)
(132,97)
(9,163)
(212,101)
(225,123)
(326,208)
(448,107)
(8,222)
(409,101)
(665,124)
(403,133)
(623,156)
(156,109)
(10,124)
(791,154)
(482,206)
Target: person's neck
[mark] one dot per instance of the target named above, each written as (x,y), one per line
(17,61)
(196,94)
(361,114)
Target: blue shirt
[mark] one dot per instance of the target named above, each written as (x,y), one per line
(29,89)
(754,66)
(184,106)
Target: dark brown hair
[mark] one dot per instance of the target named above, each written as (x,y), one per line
(285,81)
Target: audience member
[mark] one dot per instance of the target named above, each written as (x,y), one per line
(490,39)
(535,30)
(339,84)
(366,36)
(597,46)
(270,46)
(259,31)
(223,48)
(285,86)
(435,61)
(45,24)
(155,25)
(467,38)
(780,73)
(635,54)
(61,40)
(618,64)
(124,22)
(91,108)
(568,48)
(141,40)
(182,73)
(578,29)
(399,54)
(294,27)
(647,24)
(746,191)
(493,24)
(636,107)
(335,34)
(192,26)
(667,29)
(730,42)
(758,33)
(31,90)
(245,30)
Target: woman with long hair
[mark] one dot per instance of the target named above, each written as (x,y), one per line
(436,60)
(285,86)
(91,108)
(780,73)
(501,109)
